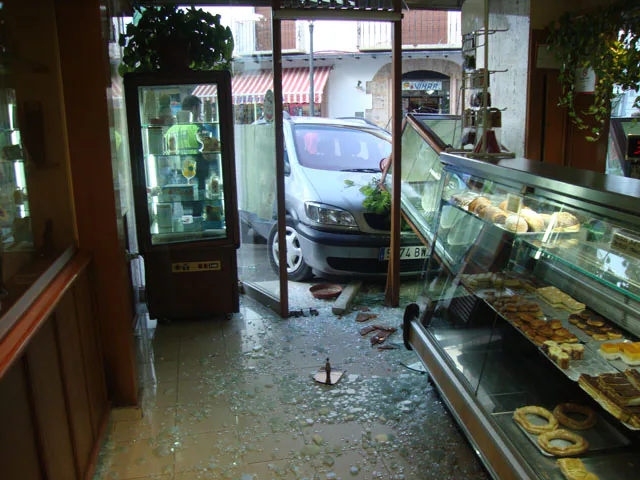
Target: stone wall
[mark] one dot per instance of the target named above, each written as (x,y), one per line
(380,85)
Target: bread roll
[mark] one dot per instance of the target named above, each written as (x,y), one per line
(499,217)
(503,205)
(515,223)
(567,222)
(477,202)
(535,221)
(482,208)
(494,214)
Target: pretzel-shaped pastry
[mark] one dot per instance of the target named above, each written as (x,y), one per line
(579,444)
(590,421)
(520,416)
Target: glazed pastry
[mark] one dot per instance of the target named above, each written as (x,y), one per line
(577,445)
(630,353)
(482,208)
(610,351)
(546,220)
(614,335)
(555,324)
(520,417)
(589,421)
(514,223)
(574,469)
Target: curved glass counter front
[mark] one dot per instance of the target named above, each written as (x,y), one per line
(424,137)
(533,288)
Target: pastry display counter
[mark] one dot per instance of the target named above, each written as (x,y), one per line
(530,314)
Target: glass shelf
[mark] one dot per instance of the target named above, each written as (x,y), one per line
(611,268)
(167,125)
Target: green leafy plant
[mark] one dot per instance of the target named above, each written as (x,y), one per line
(168,35)
(376,199)
(607,41)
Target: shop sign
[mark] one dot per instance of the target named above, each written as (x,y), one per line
(268,106)
(422,85)
(585,80)
(633,147)
(188,267)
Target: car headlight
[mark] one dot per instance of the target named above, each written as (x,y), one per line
(326,215)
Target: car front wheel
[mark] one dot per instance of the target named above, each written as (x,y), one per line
(297,268)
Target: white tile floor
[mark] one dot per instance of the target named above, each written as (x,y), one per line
(235,399)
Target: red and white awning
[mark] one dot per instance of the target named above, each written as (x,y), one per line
(251,86)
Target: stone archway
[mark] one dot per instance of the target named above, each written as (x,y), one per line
(380,85)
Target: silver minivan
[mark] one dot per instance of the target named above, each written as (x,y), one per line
(329,231)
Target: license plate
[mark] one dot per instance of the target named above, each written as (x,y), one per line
(406,253)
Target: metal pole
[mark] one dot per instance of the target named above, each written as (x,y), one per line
(312,99)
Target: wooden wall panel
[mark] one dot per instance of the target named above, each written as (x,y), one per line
(49,403)
(75,376)
(19,458)
(91,351)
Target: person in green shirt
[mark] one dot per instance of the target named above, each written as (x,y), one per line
(183,138)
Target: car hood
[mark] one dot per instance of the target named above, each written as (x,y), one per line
(332,190)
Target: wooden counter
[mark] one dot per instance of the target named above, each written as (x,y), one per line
(53,401)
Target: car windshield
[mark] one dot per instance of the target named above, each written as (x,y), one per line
(326,147)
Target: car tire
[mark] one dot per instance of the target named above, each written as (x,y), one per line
(297,268)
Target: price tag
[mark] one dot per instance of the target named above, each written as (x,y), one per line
(190,267)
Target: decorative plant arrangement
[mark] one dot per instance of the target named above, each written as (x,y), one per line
(377,200)
(172,38)
(607,41)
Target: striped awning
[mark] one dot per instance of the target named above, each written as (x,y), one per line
(251,87)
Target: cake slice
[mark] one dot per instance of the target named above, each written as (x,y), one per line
(617,387)
(634,377)
(591,385)
(630,353)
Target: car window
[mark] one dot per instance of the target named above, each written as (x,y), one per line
(325,147)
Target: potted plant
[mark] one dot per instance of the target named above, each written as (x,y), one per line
(175,38)
(607,41)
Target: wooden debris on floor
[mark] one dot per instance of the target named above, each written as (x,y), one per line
(365,317)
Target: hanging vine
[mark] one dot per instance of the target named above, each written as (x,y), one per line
(606,41)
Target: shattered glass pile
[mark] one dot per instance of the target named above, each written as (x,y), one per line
(235,399)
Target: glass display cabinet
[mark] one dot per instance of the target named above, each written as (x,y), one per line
(181,140)
(424,137)
(531,298)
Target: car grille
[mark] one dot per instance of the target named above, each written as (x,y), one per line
(368,265)
(378,222)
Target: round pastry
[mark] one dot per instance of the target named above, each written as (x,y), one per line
(600,337)
(535,222)
(578,444)
(537,323)
(614,335)
(503,205)
(555,324)
(560,413)
(514,223)
(585,314)
(567,222)
(482,208)
(520,416)
(477,202)
(595,322)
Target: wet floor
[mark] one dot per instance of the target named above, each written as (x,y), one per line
(235,399)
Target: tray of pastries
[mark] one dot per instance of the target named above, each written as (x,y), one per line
(569,429)
(592,326)
(504,214)
(618,393)
(574,360)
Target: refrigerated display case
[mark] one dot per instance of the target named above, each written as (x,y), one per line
(184,191)
(531,298)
